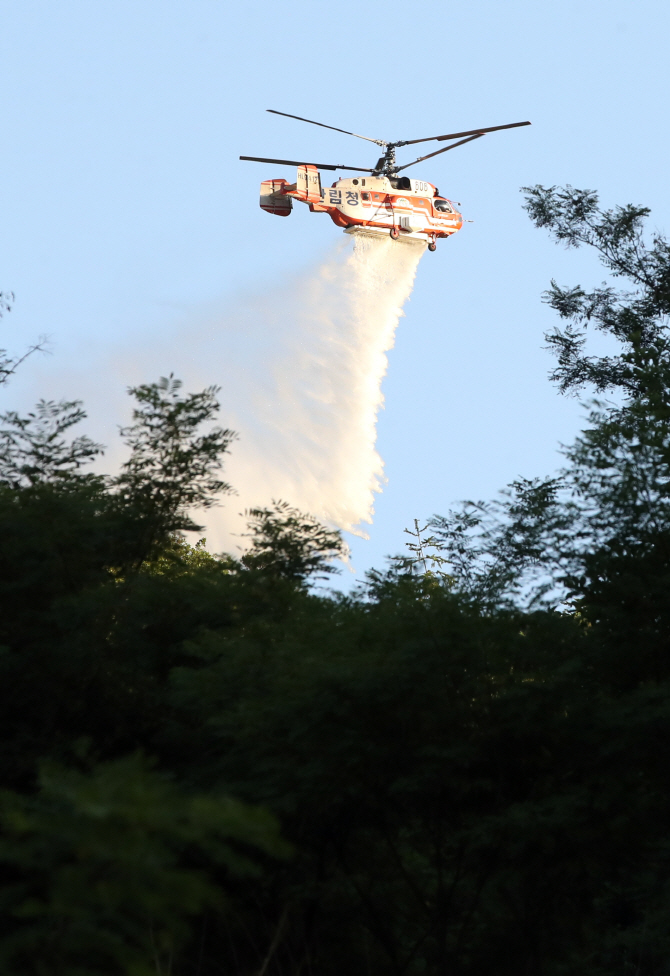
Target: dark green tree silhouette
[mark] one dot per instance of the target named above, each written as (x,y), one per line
(291,545)
(465,757)
(636,318)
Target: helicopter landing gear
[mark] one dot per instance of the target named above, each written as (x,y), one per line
(433,245)
(395,233)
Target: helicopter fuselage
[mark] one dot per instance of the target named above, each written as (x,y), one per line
(407,209)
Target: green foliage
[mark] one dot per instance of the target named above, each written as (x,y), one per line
(33,449)
(6,300)
(288,544)
(172,468)
(425,552)
(460,768)
(104,871)
(636,318)
(9,364)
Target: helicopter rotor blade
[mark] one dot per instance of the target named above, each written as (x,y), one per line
(446,149)
(458,135)
(378,142)
(304,162)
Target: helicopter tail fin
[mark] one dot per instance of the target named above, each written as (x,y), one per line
(308,184)
(273,199)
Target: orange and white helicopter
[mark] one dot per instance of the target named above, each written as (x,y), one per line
(381,203)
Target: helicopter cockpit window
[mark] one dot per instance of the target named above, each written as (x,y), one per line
(442,205)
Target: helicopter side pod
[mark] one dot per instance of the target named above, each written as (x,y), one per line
(274,199)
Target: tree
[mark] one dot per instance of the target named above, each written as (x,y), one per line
(637,319)
(545,537)
(105,870)
(291,545)
(70,539)
(9,364)
(33,449)
(172,468)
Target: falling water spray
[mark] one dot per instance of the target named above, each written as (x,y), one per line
(300,372)
(300,367)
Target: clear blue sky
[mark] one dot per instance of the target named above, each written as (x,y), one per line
(124,206)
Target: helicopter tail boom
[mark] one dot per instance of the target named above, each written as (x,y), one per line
(276,195)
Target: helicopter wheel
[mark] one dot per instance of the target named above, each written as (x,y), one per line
(395,233)
(432,246)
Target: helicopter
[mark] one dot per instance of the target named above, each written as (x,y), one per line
(412,211)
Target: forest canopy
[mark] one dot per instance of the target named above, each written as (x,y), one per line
(210,765)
